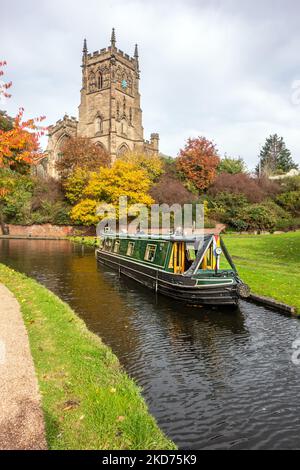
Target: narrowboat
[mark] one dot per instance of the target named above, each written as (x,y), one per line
(197,270)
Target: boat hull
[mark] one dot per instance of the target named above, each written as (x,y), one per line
(180,288)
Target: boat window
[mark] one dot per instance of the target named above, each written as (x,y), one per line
(150,253)
(208,260)
(190,252)
(108,244)
(130,249)
(117,246)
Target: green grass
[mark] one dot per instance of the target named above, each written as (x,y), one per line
(88,401)
(269,264)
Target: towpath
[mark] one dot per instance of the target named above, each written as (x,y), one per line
(21,417)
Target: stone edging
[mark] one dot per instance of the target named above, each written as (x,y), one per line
(273,304)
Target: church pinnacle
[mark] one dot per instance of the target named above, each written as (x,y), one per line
(136,56)
(85,50)
(113,38)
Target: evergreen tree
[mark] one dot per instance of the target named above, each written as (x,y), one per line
(275,157)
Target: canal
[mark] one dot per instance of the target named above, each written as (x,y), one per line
(213,379)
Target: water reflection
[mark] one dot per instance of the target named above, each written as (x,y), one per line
(212,378)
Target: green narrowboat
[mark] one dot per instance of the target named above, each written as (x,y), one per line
(196,270)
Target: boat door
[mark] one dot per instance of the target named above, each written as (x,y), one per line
(177,258)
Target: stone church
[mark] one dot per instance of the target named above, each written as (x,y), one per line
(109,112)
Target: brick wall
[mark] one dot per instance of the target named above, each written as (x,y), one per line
(48,230)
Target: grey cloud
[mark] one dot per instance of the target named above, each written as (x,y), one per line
(223,69)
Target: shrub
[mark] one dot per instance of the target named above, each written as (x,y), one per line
(45,190)
(170,191)
(267,216)
(253,189)
(290,184)
(288,224)
(254,217)
(290,201)
(56,213)
(225,206)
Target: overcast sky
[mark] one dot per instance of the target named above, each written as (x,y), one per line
(223,69)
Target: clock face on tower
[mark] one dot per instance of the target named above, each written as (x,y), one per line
(124,84)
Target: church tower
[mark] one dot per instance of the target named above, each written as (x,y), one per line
(110,111)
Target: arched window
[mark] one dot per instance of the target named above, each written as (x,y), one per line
(122,149)
(100,80)
(101,146)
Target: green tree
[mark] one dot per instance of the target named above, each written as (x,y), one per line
(6,122)
(275,157)
(232,165)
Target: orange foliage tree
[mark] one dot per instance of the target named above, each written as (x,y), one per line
(198,161)
(19,145)
(80,152)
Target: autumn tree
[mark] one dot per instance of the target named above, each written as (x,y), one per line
(198,162)
(80,152)
(123,179)
(19,138)
(19,149)
(75,185)
(152,164)
(6,85)
(107,186)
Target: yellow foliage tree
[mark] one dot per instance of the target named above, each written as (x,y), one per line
(152,164)
(85,212)
(75,184)
(106,187)
(122,179)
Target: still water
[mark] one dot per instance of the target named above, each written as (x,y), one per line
(213,379)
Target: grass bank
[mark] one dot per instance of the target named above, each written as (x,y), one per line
(89,241)
(88,401)
(269,264)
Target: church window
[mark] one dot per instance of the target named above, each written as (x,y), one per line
(122,149)
(100,80)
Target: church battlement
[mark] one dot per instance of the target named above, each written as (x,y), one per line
(109,51)
(109,112)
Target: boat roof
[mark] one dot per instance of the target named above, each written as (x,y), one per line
(174,237)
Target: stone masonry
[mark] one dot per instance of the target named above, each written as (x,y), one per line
(109,112)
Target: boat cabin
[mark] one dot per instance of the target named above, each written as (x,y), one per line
(177,255)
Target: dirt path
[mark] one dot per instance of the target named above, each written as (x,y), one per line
(21,418)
